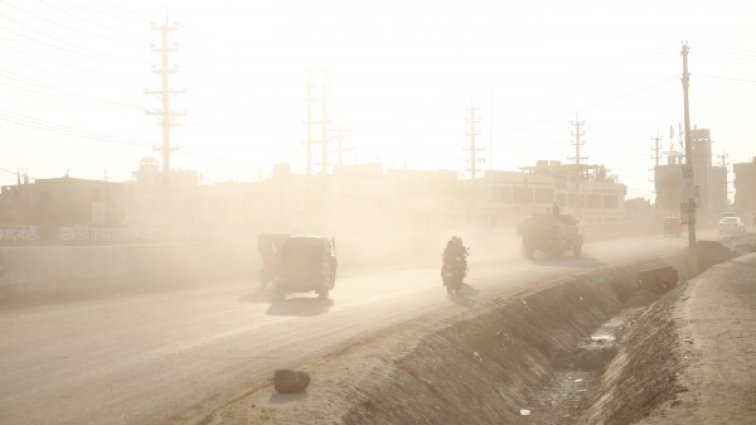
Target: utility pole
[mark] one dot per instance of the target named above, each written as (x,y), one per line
(165,114)
(671,154)
(340,149)
(578,142)
(473,132)
(491,130)
(723,160)
(689,203)
(324,127)
(656,140)
(578,133)
(309,99)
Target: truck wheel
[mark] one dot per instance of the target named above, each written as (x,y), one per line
(576,250)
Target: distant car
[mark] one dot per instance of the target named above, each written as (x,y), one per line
(731,226)
(729,214)
(672,226)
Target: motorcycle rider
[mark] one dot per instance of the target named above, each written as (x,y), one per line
(456,251)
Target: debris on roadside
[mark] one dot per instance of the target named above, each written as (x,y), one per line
(290,381)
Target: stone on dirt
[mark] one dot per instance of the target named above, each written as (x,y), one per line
(290,381)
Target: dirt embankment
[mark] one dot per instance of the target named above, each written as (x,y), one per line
(531,359)
(585,349)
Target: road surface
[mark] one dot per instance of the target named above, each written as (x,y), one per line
(144,358)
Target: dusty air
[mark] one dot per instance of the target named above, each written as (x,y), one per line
(395,212)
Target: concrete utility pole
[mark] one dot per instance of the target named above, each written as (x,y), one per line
(690,202)
(491,130)
(656,140)
(473,133)
(578,133)
(324,127)
(671,154)
(340,149)
(577,142)
(309,99)
(165,114)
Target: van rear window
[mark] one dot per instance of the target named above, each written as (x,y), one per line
(302,251)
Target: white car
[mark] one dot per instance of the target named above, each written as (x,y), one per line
(731,225)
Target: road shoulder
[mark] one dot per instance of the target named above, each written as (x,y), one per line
(717,332)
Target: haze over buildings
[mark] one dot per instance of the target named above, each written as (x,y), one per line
(400,75)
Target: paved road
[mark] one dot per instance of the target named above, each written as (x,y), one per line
(143,358)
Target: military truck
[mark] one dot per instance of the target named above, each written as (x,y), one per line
(550,233)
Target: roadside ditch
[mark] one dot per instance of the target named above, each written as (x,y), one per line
(591,348)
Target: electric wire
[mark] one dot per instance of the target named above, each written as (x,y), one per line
(28,121)
(68,12)
(62,46)
(73,28)
(62,93)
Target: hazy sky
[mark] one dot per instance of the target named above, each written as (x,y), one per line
(401,74)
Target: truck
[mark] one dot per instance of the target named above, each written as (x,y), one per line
(551,233)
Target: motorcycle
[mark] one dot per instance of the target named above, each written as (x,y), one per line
(453,272)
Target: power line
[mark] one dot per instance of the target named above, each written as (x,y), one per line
(59,23)
(36,86)
(119,14)
(28,121)
(31,60)
(724,78)
(727,52)
(58,45)
(613,99)
(92,22)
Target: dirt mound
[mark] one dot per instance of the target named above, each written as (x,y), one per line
(711,253)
